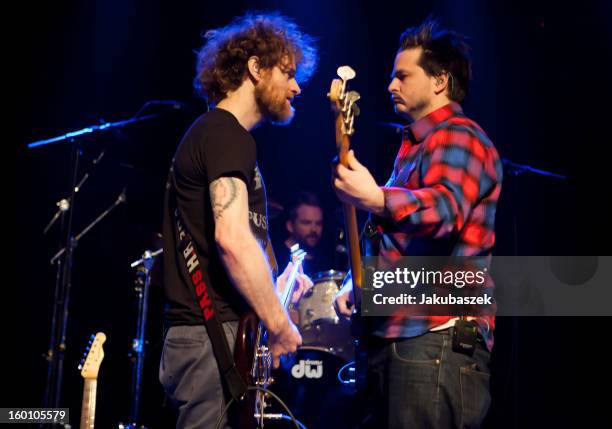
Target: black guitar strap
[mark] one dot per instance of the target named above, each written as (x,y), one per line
(197,273)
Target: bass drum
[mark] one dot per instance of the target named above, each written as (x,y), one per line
(319,324)
(307,382)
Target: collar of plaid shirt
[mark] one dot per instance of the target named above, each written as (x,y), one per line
(418,130)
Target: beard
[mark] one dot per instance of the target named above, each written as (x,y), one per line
(309,241)
(273,103)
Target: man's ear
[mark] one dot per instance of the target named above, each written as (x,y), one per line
(254,69)
(441,82)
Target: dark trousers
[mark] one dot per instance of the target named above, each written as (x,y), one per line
(189,373)
(421,382)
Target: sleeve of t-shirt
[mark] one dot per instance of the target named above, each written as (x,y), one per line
(229,153)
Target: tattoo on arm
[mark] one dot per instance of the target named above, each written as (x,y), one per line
(223,193)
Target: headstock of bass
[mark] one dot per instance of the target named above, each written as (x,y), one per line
(344,105)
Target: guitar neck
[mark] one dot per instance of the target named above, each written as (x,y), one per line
(345,108)
(350,218)
(289,285)
(285,299)
(88,406)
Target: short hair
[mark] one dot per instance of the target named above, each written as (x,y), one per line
(443,51)
(222,60)
(300,199)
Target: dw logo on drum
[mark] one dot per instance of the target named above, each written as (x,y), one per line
(308,368)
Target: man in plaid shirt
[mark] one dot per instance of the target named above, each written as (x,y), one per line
(440,200)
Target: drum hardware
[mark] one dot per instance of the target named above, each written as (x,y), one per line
(308,382)
(350,368)
(319,324)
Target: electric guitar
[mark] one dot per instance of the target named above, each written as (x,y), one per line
(90,365)
(253,357)
(345,110)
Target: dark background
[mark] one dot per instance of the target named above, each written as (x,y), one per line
(540,90)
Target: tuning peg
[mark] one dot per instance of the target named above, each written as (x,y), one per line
(353,96)
(346,73)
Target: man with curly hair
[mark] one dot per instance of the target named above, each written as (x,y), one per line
(248,72)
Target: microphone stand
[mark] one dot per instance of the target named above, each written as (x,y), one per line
(63,282)
(143,282)
(120,199)
(64,204)
(515,170)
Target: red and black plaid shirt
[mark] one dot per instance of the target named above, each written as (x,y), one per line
(440,200)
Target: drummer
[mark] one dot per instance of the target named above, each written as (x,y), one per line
(305,227)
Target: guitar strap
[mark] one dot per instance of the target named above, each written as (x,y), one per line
(196,271)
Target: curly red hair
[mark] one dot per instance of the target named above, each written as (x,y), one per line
(273,38)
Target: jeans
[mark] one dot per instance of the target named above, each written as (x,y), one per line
(189,373)
(421,382)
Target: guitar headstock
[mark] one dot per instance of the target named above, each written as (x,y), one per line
(297,257)
(297,254)
(92,358)
(344,102)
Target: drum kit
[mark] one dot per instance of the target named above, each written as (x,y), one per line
(319,324)
(317,382)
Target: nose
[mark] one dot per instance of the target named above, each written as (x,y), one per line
(295,88)
(391,86)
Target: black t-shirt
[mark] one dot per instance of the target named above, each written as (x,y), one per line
(216,145)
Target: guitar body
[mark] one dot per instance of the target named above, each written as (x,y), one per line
(246,339)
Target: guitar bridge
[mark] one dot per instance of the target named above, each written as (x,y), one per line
(262,367)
